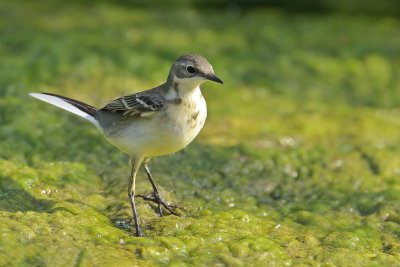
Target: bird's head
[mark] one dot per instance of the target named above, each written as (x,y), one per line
(192,70)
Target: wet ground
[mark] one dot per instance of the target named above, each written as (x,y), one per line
(298,163)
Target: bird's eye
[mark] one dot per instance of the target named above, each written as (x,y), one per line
(190,69)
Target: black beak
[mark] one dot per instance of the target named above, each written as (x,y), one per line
(214,78)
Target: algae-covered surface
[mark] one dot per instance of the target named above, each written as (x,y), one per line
(298,163)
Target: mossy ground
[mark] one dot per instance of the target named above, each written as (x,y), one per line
(298,163)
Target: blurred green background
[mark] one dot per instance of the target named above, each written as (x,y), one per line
(298,163)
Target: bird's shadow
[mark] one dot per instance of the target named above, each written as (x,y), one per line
(13,198)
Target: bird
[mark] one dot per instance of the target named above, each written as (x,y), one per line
(150,123)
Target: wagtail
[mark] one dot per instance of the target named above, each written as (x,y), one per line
(155,122)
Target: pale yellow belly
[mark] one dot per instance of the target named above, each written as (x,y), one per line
(168,131)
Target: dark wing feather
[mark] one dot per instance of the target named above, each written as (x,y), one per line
(136,103)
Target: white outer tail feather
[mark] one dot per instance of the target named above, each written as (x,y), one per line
(61,103)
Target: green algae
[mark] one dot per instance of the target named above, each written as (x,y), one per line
(298,163)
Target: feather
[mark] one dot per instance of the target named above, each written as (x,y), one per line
(143,103)
(76,107)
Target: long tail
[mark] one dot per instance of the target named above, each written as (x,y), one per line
(78,108)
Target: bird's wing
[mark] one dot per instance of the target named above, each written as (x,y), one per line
(142,103)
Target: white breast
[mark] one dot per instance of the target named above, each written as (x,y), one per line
(186,118)
(197,115)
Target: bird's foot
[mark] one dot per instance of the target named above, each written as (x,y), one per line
(156,198)
(139,233)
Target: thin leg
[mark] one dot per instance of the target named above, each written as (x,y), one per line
(135,164)
(153,184)
(157,197)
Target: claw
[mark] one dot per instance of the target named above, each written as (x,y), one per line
(157,199)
